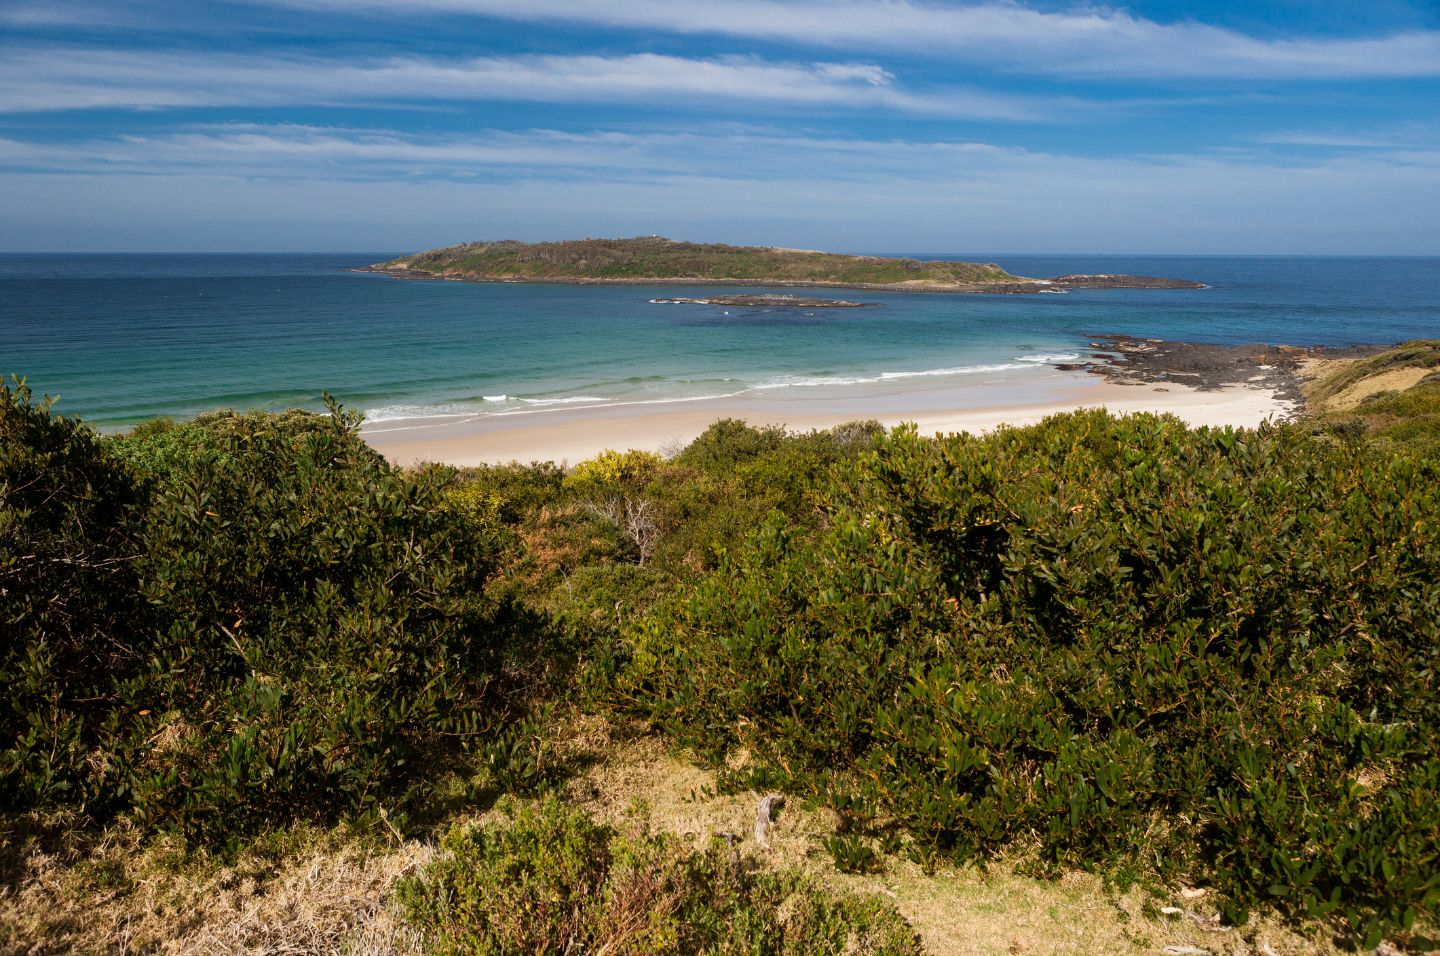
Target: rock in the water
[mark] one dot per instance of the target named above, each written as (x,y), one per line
(766,300)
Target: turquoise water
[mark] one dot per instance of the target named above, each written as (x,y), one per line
(123,338)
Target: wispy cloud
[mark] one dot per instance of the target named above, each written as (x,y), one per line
(851,107)
(295,152)
(715,152)
(302,152)
(67,79)
(1086,40)
(1336,140)
(28,13)
(858,195)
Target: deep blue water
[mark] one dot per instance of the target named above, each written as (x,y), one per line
(121,338)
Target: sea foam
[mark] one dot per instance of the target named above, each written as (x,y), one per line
(1060,357)
(509,405)
(809,381)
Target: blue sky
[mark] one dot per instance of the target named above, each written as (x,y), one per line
(1230,126)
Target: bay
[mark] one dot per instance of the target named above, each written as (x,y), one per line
(123,338)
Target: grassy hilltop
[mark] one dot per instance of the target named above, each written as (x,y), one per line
(657,258)
(1096,685)
(1392,397)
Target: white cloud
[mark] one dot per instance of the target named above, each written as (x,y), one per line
(299,152)
(88,78)
(1042,204)
(717,151)
(28,13)
(1333,140)
(329,188)
(296,152)
(1087,40)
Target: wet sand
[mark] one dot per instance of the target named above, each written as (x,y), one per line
(574,434)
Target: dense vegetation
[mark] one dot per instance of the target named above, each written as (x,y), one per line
(231,623)
(654,257)
(1109,640)
(598,544)
(1203,656)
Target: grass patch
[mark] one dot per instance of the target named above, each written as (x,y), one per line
(551,880)
(1422,353)
(314,891)
(1392,399)
(301,890)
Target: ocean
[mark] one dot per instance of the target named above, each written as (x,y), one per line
(123,338)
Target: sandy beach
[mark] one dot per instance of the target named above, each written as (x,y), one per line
(574,434)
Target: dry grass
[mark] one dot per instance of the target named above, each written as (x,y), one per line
(115,898)
(955,910)
(325,893)
(1394,380)
(1344,383)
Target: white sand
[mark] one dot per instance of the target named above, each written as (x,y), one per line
(574,434)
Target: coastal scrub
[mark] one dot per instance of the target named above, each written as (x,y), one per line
(1114,642)
(225,625)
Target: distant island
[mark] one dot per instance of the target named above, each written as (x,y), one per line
(655,260)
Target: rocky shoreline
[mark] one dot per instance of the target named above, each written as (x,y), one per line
(1280,369)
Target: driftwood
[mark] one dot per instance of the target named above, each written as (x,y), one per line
(763,812)
(1210,924)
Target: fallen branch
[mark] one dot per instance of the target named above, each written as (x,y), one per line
(763,812)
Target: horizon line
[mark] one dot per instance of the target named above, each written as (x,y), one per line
(970,255)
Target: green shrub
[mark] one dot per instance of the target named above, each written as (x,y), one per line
(69,604)
(508,493)
(624,528)
(551,881)
(733,476)
(729,444)
(779,468)
(1106,639)
(613,471)
(307,628)
(851,853)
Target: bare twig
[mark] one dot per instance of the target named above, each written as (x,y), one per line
(636,519)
